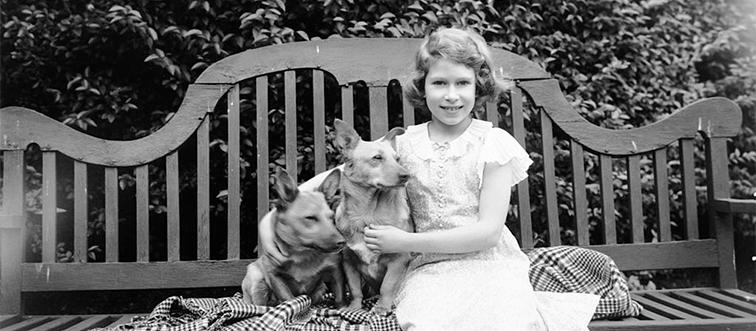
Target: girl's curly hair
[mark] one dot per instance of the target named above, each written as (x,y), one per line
(459,46)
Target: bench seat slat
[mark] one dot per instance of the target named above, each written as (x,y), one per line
(28,323)
(58,323)
(728,301)
(653,310)
(9,319)
(684,306)
(675,325)
(709,305)
(90,322)
(664,308)
(741,295)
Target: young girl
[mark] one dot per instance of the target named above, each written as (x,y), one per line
(467,272)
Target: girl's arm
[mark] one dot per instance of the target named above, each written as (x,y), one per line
(495,193)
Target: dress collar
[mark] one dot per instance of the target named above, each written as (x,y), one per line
(426,149)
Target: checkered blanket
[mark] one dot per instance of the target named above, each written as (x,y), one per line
(556,269)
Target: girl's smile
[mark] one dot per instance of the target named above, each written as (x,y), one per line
(450,96)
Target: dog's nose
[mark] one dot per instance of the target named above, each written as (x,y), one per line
(404,177)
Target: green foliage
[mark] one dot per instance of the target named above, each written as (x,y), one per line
(118,69)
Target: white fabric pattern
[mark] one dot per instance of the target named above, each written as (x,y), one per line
(486,290)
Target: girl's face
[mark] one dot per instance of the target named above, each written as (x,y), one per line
(450,92)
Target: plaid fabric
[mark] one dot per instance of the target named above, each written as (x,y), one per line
(581,270)
(233,314)
(552,269)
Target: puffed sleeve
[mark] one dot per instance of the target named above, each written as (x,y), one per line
(501,148)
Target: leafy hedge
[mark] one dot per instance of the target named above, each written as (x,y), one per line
(118,69)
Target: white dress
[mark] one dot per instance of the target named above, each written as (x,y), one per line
(486,290)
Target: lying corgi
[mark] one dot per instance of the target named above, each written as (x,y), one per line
(372,192)
(305,231)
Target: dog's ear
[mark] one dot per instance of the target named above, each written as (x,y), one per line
(346,137)
(286,188)
(330,187)
(391,135)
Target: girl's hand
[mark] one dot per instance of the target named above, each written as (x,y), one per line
(385,239)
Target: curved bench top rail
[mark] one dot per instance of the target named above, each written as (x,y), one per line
(714,117)
(376,61)
(22,126)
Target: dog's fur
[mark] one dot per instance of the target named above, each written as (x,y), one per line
(373,192)
(305,230)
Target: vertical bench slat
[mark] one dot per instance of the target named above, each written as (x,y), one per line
(290,118)
(662,194)
(579,195)
(607,199)
(142,213)
(318,106)
(721,225)
(347,104)
(12,231)
(378,111)
(523,188)
(203,190)
(49,207)
(408,112)
(80,212)
(234,187)
(688,179)
(634,191)
(261,87)
(172,192)
(111,214)
(549,181)
(13,184)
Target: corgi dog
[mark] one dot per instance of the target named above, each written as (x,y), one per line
(305,231)
(372,192)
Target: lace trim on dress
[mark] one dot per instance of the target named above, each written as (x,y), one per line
(425,149)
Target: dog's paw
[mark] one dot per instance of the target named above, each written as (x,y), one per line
(355,304)
(380,311)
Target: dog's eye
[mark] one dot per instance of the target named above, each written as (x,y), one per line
(312,218)
(378,157)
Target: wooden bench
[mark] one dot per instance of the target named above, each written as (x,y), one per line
(272,105)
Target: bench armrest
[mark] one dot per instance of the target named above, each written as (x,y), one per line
(731,205)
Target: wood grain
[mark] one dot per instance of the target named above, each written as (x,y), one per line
(374,61)
(131,275)
(716,117)
(21,126)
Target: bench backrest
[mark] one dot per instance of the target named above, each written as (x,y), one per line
(275,106)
